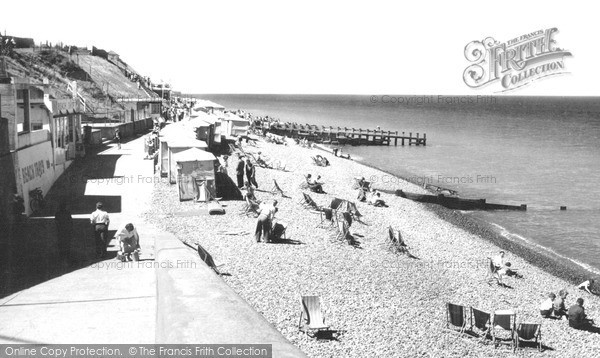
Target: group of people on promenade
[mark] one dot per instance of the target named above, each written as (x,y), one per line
(127,236)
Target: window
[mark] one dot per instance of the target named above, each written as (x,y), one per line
(23,125)
(155,108)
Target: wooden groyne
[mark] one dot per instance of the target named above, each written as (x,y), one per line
(343,135)
(458,203)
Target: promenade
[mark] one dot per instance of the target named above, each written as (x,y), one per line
(89,301)
(174,299)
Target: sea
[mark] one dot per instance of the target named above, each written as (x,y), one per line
(539,151)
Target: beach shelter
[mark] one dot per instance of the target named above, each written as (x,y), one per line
(233,125)
(177,145)
(195,174)
(170,132)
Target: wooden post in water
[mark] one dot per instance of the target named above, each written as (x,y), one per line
(417,142)
(409,138)
(424,139)
(396,139)
(388,138)
(403,138)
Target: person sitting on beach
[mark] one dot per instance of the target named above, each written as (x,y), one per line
(259,160)
(362,194)
(577,317)
(129,243)
(314,185)
(546,307)
(586,285)
(376,200)
(559,304)
(499,260)
(250,193)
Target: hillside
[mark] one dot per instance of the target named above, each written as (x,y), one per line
(100,82)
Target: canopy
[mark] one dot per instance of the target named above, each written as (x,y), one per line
(194,155)
(177,142)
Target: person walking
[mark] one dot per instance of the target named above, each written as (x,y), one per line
(118,138)
(64,232)
(251,173)
(239,171)
(100,220)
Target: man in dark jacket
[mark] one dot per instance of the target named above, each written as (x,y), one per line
(239,171)
(577,318)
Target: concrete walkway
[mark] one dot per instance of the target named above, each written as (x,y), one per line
(102,301)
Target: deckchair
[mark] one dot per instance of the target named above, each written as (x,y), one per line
(208,259)
(481,321)
(278,230)
(309,203)
(365,184)
(233,148)
(397,242)
(327,218)
(492,273)
(502,321)
(250,207)
(277,190)
(278,165)
(311,317)
(529,332)
(343,226)
(458,316)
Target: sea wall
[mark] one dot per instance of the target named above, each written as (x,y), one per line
(195,305)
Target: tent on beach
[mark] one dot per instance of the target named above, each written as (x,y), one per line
(177,145)
(195,174)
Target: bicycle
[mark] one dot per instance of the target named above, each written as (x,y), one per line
(36,201)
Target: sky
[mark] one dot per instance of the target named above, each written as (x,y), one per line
(314,47)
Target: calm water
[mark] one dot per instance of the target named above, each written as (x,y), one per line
(539,151)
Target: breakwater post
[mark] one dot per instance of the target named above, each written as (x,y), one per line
(340,135)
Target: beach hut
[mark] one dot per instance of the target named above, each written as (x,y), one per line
(233,125)
(170,133)
(176,145)
(195,174)
(209,107)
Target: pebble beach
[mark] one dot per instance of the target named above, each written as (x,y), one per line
(381,303)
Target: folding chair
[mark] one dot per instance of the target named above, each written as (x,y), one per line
(492,273)
(481,321)
(277,190)
(250,207)
(397,243)
(311,317)
(327,218)
(208,259)
(309,203)
(458,316)
(343,226)
(503,320)
(278,230)
(529,332)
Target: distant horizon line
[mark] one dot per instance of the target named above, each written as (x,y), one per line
(382,94)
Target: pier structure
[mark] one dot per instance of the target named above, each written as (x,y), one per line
(344,135)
